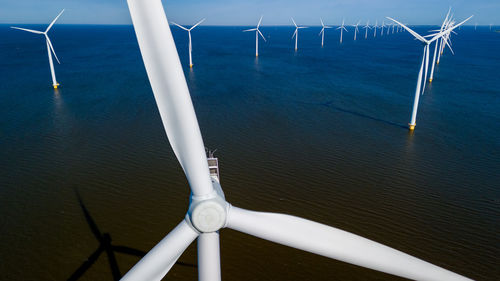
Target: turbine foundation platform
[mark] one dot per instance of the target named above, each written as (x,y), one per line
(411,127)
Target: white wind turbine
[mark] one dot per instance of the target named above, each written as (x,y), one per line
(50,48)
(296,33)
(375,29)
(424,65)
(189,34)
(342,27)
(322,32)
(443,27)
(257,33)
(356,30)
(208,210)
(444,40)
(366,27)
(382,28)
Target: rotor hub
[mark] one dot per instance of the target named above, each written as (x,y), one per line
(208,215)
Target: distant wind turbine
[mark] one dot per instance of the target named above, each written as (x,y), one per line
(382,28)
(443,26)
(366,27)
(50,48)
(475,26)
(342,27)
(189,34)
(322,32)
(257,33)
(356,30)
(425,63)
(375,29)
(296,33)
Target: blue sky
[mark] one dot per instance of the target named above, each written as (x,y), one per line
(244,12)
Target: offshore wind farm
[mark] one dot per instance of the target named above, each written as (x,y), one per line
(325,132)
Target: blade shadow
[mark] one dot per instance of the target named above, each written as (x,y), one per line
(105,245)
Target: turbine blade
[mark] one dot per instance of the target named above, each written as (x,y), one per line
(171,92)
(52,23)
(322,24)
(322,30)
(295,33)
(334,243)
(294,23)
(209,257)
(261,35)
(52,48)
(156,264)
(410,30)
(179,26)
(426,50)
(253,29)
(258,25)
(29,30)
(449,46)
(198,23)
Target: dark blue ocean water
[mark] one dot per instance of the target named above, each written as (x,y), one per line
(319,133)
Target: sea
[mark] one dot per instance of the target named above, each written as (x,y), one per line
(319,133)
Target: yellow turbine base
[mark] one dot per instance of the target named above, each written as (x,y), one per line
(430,80)
(56,85)
(190,66)
(437,62)
(411,127)
(257,55)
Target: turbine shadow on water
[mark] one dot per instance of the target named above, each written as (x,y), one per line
(105,245)
(329,104)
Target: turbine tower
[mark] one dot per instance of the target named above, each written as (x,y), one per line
(189,34)
(208,210)
(342,27)
(296,33)
(425,63)
(382,28)
(375,29)
(322,32)
(257,33)
(50,48)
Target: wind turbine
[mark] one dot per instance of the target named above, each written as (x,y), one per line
(209,211)
(296,33)
(257,33)
(475,26)
(356,30)
(443,26)
(366,27)
(375,29)
(189,34)
(389,28)
(491,26)
(382,28)
(50,48)
(322,32)
(342,27)
(424,65)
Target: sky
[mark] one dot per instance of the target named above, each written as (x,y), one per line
(247,13)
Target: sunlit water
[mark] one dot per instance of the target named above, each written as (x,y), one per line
(320,133)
